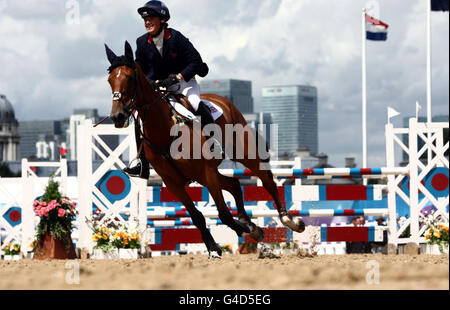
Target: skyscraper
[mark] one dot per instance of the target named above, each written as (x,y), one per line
(294,110)
(237,91)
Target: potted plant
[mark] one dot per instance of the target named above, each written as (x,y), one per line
(53,236)
(247,248)
(103,229)
(127,243)
(227,249)
(12,251)
(437,235)
(114,239)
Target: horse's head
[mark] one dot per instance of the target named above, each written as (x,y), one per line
(123,79)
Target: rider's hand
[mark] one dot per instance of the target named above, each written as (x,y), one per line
(153,84)
(168,82)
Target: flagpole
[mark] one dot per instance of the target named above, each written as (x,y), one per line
(429,61)
(429,72)
(364,95)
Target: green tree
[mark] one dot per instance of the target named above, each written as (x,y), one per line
(5,172)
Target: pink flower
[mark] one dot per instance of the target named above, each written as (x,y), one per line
(61,212)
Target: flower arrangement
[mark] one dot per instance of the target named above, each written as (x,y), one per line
(247,248)
(437,232)
(56,215)
(227,248)
(110,233)
(12,249)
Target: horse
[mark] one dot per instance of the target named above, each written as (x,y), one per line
(132,91)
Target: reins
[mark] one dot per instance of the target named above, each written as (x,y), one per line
(162,97)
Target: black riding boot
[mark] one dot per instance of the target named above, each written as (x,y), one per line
(142,169)
(205,113)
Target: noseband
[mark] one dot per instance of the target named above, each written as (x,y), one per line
(117,96)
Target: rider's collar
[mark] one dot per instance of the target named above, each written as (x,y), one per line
(167,35)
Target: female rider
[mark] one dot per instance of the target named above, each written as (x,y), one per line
(165,55)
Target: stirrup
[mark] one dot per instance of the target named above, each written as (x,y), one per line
(130,165)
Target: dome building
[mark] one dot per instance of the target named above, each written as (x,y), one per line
(9,131)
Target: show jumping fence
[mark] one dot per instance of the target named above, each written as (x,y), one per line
(423,181)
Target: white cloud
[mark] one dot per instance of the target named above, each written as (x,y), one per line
(47,63)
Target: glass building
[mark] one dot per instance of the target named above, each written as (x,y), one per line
(238,91)
(32,132)
(294,109)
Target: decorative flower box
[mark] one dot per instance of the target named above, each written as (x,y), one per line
(52,248)
(99,254)
(435,250)
(128,253)
(12,257)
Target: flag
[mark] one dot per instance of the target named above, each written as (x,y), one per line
(418,107)
(376,30)
(392,113)
(62,151)
(439,5)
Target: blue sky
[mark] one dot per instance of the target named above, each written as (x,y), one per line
(51,66)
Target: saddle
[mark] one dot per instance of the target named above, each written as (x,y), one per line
(184,101)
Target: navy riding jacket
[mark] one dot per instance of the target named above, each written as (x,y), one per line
(178,56)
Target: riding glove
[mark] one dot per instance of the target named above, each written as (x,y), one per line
(168,82)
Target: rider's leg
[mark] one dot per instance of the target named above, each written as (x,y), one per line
(192,91)
(142,168)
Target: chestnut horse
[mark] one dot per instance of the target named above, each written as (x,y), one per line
(133,92)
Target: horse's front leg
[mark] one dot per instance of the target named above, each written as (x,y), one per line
(197,218)
(215,187)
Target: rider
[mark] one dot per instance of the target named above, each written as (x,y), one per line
(165,55)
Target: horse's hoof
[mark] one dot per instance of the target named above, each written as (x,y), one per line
(301,225)
(296,224)
(256,232)
(214,255)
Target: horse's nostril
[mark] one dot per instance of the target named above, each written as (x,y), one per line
(121,117)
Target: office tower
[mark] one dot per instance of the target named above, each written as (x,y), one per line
(294,109)
(237,91)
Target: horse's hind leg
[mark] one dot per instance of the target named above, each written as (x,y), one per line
(233,186)
(197,217)
(266,177)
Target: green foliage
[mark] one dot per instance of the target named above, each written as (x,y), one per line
(5,172)
(52,191)
(56,213)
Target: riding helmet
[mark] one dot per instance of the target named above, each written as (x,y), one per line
(155,8)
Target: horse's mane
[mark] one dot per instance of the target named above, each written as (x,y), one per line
(121,61)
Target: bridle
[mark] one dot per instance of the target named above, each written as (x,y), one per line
(129,108)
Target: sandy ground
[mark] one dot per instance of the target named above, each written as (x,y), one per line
(290,272)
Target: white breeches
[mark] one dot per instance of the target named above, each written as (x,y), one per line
(190,90)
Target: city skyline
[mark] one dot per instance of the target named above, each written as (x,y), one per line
(268,42)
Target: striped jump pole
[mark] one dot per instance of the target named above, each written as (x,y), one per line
(316,173)
(287,193)
(274,213)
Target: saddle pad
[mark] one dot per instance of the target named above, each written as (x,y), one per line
(216,111)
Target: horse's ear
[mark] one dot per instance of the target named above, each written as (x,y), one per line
(129,52)
(110,54)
